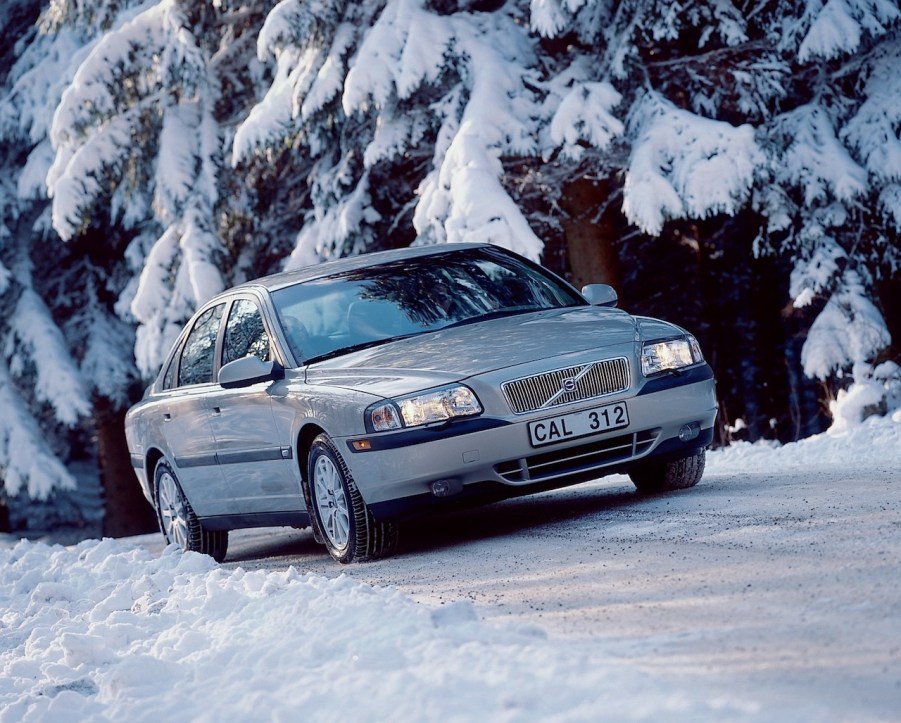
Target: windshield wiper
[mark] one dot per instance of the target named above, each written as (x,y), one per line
(493,315)
(349,349)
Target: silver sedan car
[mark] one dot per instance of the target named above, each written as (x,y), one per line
(351,395)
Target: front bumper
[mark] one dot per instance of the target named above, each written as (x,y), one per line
(395,476)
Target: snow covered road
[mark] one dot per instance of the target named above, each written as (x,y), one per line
(778,577)
(771,592)
(783,586)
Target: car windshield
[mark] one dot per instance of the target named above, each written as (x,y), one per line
(337,314)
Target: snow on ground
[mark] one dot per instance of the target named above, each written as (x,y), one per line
(107,631)
(876,438)
(103,631)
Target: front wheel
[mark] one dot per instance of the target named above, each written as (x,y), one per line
(179,524)
(339,515)
(653,477)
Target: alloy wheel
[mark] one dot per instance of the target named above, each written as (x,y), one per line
(331,502)
(172,511)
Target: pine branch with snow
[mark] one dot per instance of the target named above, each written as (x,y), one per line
(135,124)
(26,461)
(686,166)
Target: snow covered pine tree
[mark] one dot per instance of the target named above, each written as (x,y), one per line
(356,126)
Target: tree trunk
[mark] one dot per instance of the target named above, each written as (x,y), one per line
(888,291)
(591,232)
(126,510)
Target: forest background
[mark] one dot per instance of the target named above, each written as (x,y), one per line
(734,167)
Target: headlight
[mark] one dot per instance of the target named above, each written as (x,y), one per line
(660,356)
(438,405)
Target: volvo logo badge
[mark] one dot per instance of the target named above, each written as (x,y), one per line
(569,385)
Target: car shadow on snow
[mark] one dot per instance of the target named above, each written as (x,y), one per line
(451,528)
(265,545)
(514,516)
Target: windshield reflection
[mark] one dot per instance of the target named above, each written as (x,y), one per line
(366,307)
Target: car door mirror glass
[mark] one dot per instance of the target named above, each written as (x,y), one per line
(247,371)
(600,294)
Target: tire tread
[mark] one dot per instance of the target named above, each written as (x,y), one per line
(371,538)
(677,474)
(207,542)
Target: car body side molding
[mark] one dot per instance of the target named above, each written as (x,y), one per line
(249,455)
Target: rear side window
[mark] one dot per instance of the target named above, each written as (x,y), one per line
(197,355)
(169,379)
(245,334)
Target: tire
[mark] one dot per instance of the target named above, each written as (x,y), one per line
(678,474)
(177,520)
(338,514)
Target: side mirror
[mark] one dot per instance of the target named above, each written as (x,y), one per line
(249,370)
(600,295)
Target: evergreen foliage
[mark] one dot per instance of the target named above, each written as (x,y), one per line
(162,150)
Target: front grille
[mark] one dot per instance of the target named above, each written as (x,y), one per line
(572,384)
(584,460)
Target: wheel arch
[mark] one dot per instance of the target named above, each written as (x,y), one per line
(151,460)
(305,438)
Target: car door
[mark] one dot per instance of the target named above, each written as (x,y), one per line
(186,415)
(255,457)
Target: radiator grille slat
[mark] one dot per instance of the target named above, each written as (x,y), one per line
(585,460)
(571,384)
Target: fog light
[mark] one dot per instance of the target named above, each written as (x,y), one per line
(689,432)
(446,487)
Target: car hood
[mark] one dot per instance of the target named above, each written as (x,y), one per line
(453,354)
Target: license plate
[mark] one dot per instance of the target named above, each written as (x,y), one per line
(578,424)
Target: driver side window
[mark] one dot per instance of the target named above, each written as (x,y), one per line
(245,334)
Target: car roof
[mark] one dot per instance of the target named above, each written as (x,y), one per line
(352,263)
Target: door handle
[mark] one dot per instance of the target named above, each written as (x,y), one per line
(217,411)
(167,417)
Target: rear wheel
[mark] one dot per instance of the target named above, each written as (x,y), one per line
(654,477)
(178,522)
(338,513)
